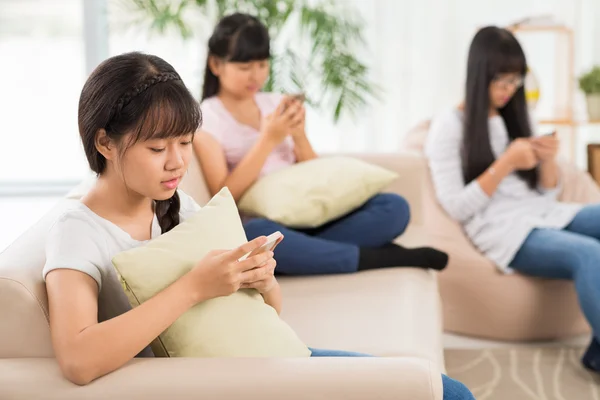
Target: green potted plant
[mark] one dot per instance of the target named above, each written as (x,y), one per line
(318,58)
(589,82)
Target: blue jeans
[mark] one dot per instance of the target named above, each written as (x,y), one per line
(334,247)
(572,253)
(453,389)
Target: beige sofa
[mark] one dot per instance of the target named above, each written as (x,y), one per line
(480,301)
(394,312)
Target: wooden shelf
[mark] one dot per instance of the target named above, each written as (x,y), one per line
(557,122)
(567,122)
(541,28)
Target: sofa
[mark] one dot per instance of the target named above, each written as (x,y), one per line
(480,301)
(394,313)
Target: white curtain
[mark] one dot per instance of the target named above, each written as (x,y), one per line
(417,52)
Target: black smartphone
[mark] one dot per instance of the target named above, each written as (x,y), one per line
(299,96)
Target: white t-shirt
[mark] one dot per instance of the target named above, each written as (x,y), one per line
(82,240)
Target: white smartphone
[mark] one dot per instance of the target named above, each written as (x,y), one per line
(272,241)
(547,133)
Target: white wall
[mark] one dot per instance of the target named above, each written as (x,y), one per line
(419,53)
(416,49)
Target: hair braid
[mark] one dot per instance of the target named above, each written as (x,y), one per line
(142,87)
(167,212)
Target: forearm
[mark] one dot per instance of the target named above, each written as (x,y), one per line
(248,170)
(273,298)
(465,201)
(491,178)
(104,347)
(303,149)
(548,174)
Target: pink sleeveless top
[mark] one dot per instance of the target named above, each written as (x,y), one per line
(237,138)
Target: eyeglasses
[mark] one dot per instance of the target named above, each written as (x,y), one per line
(506,82)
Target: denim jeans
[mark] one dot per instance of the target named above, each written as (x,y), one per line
(572,253)
(334,247)
(453,389)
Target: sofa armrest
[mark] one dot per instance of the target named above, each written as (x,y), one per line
(411,169)
(218,378)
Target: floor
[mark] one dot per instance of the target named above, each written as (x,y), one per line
(452,341)
(18,213)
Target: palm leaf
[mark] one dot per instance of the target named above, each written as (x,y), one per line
(326,70)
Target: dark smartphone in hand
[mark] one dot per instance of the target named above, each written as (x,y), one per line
(299,96)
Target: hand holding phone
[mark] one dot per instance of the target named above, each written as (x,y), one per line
(272,241)
(279,124)
(546,146)
(294,97)
(265,281)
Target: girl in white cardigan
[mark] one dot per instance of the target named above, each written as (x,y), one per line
(500,180)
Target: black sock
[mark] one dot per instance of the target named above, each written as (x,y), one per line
(392,255)
(591,357)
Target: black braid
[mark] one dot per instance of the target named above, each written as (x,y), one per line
(167,213)
(145,84)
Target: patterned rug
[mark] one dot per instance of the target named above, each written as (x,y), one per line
(528,373)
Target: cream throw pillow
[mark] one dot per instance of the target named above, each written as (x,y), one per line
(239,325)
(312,193)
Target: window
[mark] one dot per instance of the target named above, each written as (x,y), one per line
(128,33)
(42,73)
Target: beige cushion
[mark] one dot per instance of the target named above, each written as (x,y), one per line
(480,301)
(312,193)
(389,312)
(239,325)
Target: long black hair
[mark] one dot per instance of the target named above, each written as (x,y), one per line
(140,97)
(236,38)
(493,51)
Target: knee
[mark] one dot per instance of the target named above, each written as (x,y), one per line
(396,212)
(455,390)
(260,226)
(586,255)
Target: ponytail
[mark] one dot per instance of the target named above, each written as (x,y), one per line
(167,212)
(211,83)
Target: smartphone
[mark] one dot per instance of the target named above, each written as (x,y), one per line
(298,96)
(272,241)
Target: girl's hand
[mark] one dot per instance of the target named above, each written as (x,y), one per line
(280,123)
(520,154)
(267,281)
(545,147)
(220,273)
(299,122)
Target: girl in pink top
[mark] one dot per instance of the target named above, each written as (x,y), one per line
(247,134)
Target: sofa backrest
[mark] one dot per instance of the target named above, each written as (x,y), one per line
(24,322)
(194,183)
